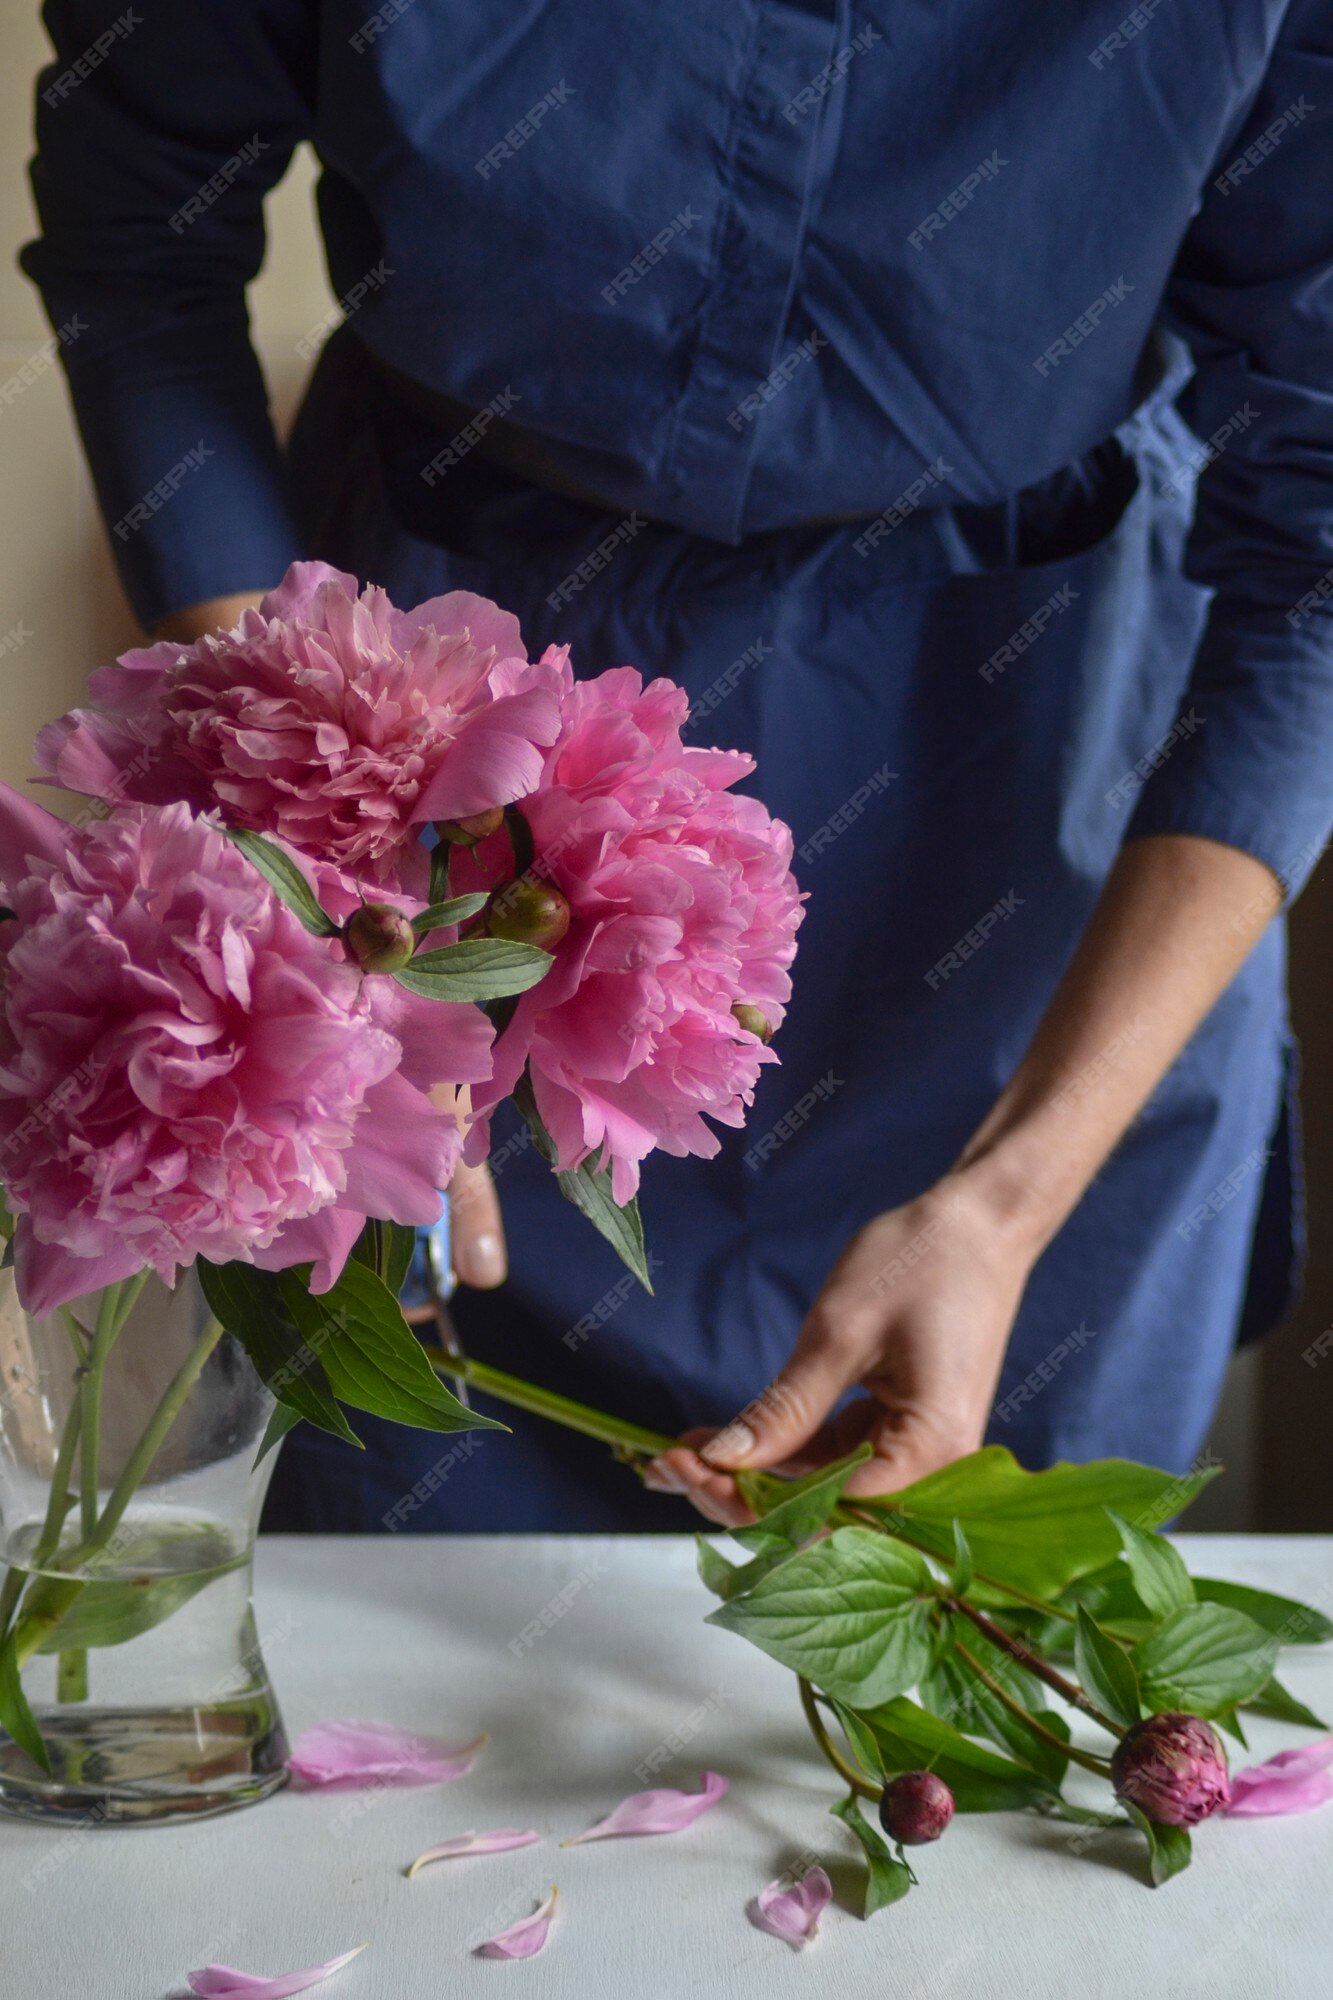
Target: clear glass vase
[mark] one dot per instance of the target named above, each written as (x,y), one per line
(129,1500)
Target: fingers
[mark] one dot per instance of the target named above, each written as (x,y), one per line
(907,1444)
(786,1414)
(713,1493)
(475,1230)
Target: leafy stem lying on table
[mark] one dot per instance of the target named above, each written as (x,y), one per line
(986,1589)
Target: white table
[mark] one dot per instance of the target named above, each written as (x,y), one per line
(426,1633)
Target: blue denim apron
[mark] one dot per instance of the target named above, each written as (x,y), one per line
(953,707)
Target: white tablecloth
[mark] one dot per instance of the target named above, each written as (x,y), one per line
(582,1657)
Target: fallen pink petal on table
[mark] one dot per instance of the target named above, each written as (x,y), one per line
(523,1939)
(223,1982)
(662,1811)
(375,1753)
(792,1912)
(474,1843)
(1295,1781)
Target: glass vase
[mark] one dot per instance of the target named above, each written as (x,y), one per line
(129,1500)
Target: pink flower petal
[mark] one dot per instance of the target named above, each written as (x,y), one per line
(474,1843)
(662,1811)
(375,1753)
(523,1939)
(223,1982)
(1294,1781)
(793,1913)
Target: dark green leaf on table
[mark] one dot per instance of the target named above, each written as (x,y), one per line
(887,1879)
(1280,1705)
(1168,1846)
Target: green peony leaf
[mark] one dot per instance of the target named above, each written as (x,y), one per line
(1204,1658)
(454,910)
(474,969)
(956,1696)
(15,1714)
(111,1614)
(1034,1531)
(887,1878)
(250,1304)
(371,1356)
(1291,1622)
(726,1579)
(849,1613)
(1160,1576)
(1168,1846)
(801,1508)
(1106,1671)
(1280,1705)
(908,1738)
(285,877)
(388,1248)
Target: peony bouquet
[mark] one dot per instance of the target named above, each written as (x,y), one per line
(250,1018)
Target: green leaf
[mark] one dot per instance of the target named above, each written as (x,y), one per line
(370,1354)
(1278,1703)
(1160,1576)
(440,857)
(590,1191)
(388,1248)
(250,1304)
(285,878)
(1293,1623)
(802,1508)
(908,1738)
(111,1614)
(1204,1658)
(1035,1531)
(282,1418)
(15,1714)
(456,910)
(1229,1722)
(954,1694)
(1168,1846)
(849,1613)
(960,1576)
(474,969)
(887,1879)
(1106,1671)
(727,1580)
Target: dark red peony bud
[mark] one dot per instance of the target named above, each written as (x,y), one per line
(915,1808)
(468,831)
(1173,1768)
(753,1022)
(379,938)
(528,912)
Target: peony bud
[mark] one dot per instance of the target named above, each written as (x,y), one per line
(1173,1768)
(528,912)
(468,831)
(915,1808)
(753,1022)
(379,938)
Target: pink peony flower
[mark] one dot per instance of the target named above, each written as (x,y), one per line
(184,1070)
(682,906)
(331,719)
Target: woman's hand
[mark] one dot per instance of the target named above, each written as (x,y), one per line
(917,1311)
(476,1234)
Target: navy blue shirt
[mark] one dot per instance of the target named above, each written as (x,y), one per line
(739,266)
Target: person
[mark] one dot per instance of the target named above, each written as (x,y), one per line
(944,397)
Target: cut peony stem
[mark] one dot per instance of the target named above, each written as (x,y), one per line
(857,1779)
(631,1439)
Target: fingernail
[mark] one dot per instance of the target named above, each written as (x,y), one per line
(736,1441)
(483,1261)
(662,1478)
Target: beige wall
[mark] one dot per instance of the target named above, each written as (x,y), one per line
(56,577)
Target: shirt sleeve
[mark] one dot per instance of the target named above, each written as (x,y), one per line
(159,130)
(1251,761)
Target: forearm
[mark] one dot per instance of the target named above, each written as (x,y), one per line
(1173,925)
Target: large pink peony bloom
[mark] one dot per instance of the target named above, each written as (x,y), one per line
(682,905)
(184,1070)
(335,721)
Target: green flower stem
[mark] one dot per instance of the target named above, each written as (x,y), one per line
(104,1335)
(1034,1663)
(859,1783)
(31,1633)
(72,1676)
(630,1439)
(1029,1721)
